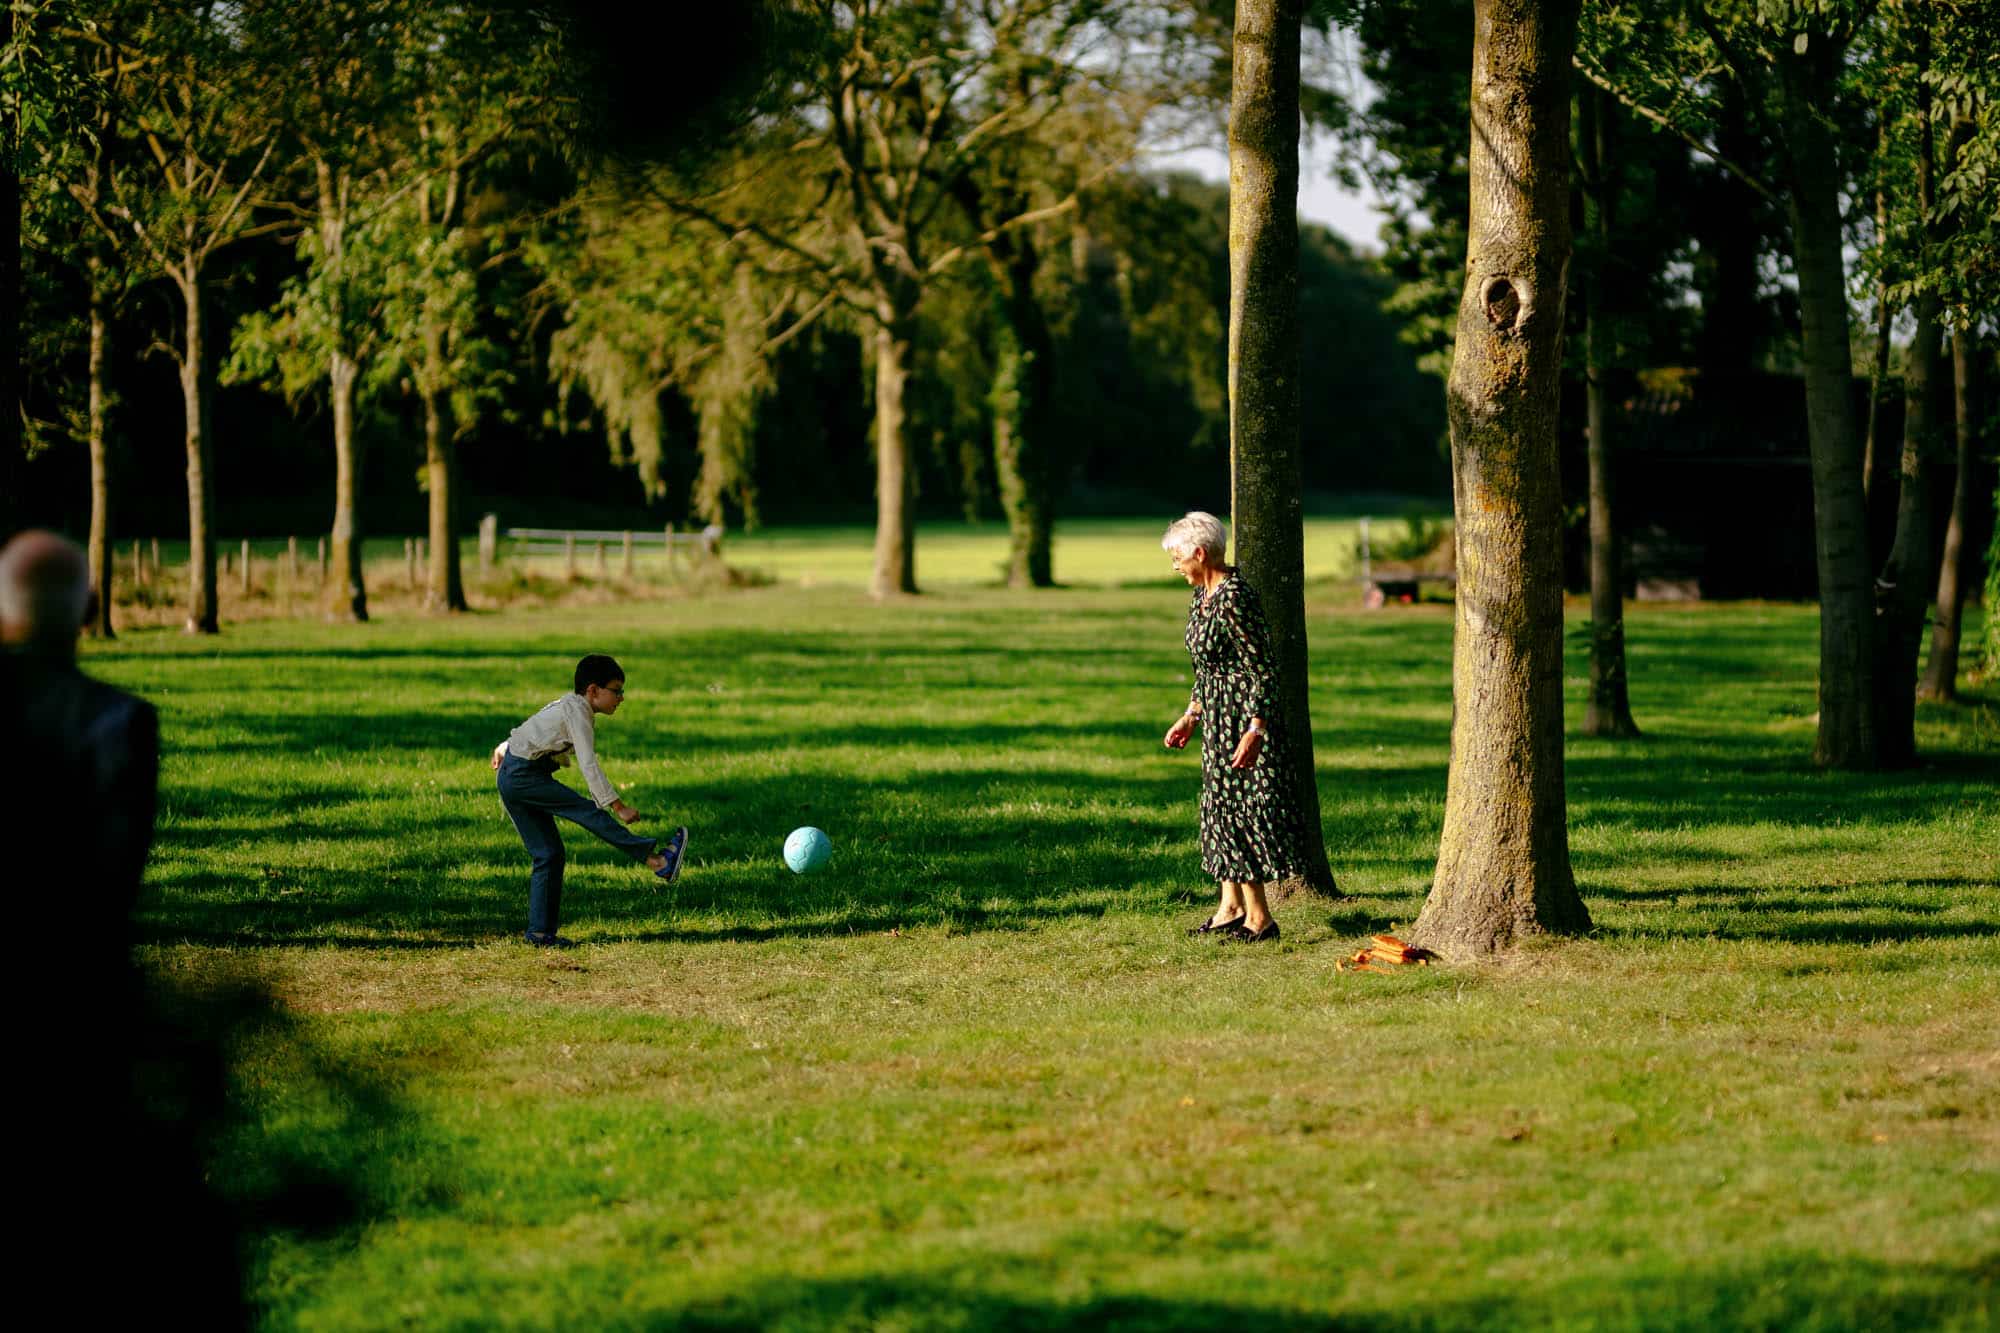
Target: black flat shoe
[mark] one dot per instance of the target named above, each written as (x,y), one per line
(1243,935)
(542,941)
(1209,927)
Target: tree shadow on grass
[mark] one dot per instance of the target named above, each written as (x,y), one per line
(1091,815)
(215,1119)
(1790,1291)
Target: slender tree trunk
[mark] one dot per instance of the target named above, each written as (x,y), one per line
(1840,530)
(1903,589)
(1609,712)
(1023,438)
(445,586)
(1940,680)
(11,514)
(202,617)
(100,470)
(1503,869)
(895,532)
(1873,458)
(1264,466)
(347,599)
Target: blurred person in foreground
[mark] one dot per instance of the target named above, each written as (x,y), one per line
(124,1101)
(93,748)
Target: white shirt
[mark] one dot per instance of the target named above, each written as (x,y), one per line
(567,725)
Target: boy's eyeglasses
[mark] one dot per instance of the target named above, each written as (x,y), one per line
(618,690)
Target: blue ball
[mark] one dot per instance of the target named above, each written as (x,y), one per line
(807,849)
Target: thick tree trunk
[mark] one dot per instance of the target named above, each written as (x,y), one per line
(1503,869)
(445,587)
(1264,466)
(100,470)
(1609,712)
(1840,531)
(1023,438)
(1940,680)
(347,590)
(202,617)
(895,532)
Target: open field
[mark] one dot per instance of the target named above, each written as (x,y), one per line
(1104,552)
(974,1074)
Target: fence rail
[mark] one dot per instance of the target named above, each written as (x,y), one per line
(564,542)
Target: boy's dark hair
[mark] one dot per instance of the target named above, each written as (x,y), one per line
(597,669)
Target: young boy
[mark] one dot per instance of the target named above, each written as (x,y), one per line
(526,759)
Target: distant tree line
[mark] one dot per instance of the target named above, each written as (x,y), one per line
(842,256)
(351,227)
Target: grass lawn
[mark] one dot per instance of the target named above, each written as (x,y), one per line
(974,1074)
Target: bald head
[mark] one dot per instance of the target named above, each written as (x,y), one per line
(44,593)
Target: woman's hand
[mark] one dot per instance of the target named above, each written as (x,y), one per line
(624,811)
(1247,750)
(499,752)
(1178,733)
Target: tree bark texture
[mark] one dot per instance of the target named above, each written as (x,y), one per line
(1840,530)
(1503,869)
(1023,438)
(1609,711)
(895,532)
(347,590)
(202,616)
(444,588)
(1940,679)
(1264,466)
(100,468)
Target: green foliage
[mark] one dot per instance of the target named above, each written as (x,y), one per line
(1420,536)
(973,1074)
(649,307)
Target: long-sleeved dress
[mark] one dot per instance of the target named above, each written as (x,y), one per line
(1251,830)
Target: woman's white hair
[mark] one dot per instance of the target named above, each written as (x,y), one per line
(1194,529)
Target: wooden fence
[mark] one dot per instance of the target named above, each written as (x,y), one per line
(238,564)
(567,543)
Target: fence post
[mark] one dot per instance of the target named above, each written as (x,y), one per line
(156,555)
(321,560)
(138,564)
(410,561)
(489,541)
(246,566)
(670,548)
(628,557)
(1364,552)
(602,568)
(569,556)
(292,557)
(423,558)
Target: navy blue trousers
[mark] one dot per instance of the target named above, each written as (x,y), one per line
(533,799)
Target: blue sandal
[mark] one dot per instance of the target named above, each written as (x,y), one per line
(672,850)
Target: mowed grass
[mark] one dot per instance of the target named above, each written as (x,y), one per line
(974,1074)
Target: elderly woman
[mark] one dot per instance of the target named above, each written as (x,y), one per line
(1251,832)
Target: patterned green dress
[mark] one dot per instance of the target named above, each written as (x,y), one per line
(1251,830)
